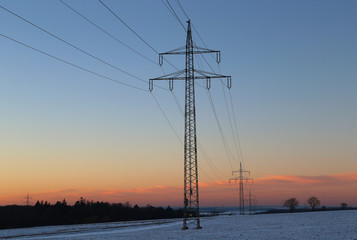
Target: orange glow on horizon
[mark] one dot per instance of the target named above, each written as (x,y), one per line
(270,190)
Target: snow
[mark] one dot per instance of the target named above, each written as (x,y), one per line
(330,225)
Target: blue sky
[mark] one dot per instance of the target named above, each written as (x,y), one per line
(293,67)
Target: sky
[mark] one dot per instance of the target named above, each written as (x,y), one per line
(66,132)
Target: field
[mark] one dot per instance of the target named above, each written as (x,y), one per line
(330,225)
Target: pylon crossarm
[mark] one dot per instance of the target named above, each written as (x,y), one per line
(170,76)
(209,74)
(179,75)
(182,51)
(238,171)
(205,49)
(182,78)
(233,179)
(175,51)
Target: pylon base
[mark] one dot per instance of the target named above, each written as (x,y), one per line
(184,228)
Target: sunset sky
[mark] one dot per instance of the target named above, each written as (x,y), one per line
(67,133)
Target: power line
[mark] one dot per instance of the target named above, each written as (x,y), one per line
(183,10)
(136,34)
(220,129)
(100,75)
(193,26)
(234,130)
(210,164)
(166,118)
(235,124)
(73,46)
(204,173)
(107,33)
(204,44)
(230,122)
(214,169)
(72,64)
(172,11)
(175,15)
(121,20)
(224,142)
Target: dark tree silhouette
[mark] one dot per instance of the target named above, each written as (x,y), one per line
(83,211)
(343,205)
(291,203)
(313,202)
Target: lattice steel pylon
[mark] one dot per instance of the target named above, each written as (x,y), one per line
(241,178)
(251,200)
(28,198)
(191,213)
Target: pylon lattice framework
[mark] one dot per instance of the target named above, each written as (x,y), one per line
(241,178)
(191,213)
(252,202)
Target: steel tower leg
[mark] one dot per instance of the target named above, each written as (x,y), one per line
(241,197)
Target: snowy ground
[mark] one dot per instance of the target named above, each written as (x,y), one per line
(333,225)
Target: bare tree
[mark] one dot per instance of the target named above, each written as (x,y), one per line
(313,202)
(291,203)
(343,205)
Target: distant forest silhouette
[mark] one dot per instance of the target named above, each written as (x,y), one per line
(82,212)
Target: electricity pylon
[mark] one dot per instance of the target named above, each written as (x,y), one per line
(191,213)
(28,199)
(251,200)
(241,178)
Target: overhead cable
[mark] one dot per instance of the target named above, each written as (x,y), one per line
(107,33)
(72,64)
(73,46)
(136,34)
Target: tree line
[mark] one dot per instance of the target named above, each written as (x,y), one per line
(313,202)
(82,212)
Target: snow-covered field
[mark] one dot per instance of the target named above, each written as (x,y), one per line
(334,225)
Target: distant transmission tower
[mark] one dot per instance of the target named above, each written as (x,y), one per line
(28,198)
(251,200)
(241,178)
(191,213)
